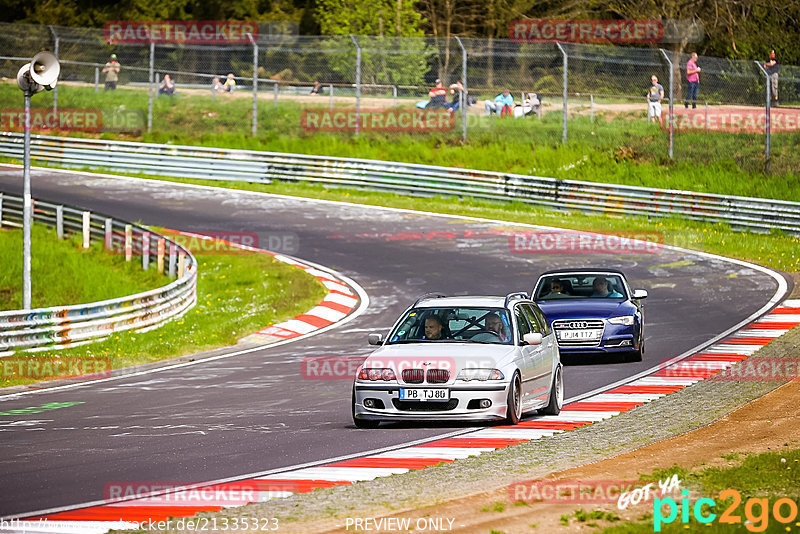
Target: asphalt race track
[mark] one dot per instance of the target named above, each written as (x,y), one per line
(255,412)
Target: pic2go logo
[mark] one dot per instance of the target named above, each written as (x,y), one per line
(756,511)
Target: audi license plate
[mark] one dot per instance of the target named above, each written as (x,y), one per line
(425,394)
(580,334)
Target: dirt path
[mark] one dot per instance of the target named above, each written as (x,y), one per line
(768,423)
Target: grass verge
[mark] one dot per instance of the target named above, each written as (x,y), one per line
(622,148)
(236,295)
(97,275)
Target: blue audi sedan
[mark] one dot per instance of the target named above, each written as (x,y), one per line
(593,311)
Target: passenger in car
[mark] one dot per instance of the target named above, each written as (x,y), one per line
(433,327)
(495,324)
(600,288)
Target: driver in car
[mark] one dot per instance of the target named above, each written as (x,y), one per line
(600,288)
(433,327)
(495,324)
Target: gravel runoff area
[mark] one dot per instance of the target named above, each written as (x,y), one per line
(690,408)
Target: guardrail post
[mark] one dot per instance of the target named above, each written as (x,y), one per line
(97,79)
(145,250)
(128,242)
(564,114)
(172,259)
(60,221)
(358,83)
(160,255)
(87,219)
(109,234)
(671,99)
(767,117)
(181,263)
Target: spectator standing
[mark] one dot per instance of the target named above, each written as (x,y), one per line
(216,85)
(693,77)
(771,67)
(112,73)
(501,104)
(654,97)
(230,84)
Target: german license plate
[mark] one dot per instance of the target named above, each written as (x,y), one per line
(425,394)
(579,334)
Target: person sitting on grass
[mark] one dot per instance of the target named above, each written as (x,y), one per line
(230,84)
(167,86)
(501,104)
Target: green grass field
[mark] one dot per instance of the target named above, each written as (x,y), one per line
(624,149)
(97,275)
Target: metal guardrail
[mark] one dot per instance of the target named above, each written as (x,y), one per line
(66,326)
(253,166)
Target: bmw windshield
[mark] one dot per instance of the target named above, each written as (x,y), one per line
(454,324)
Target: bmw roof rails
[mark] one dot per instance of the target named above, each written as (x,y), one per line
(516,295)
(429,296)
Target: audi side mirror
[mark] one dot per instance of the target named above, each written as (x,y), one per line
(375,339)
(640,293)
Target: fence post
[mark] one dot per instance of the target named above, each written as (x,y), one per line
(172,259)
(97,79)
(1,209)
(128,242)
(358,83)
(255,84)
(109,235)
(564,114)
(160,255)
(275,90)
(591,108)
(767,117)
(60,221)
(145,250)
(671,99)
(330,96)
(87,219)
(55,89)
(464,103)
(150,88)
(394,95)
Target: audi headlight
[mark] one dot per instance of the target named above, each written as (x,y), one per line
(626,320)
(480,374)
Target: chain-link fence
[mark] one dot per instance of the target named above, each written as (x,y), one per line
(298,86)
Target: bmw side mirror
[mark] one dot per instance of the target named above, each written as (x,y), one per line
(375,339)
(640,293)
(532,338)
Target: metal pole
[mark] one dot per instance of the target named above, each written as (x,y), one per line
(767,117)
(564,114)
(463,100)
(394,95)
(55,89)
(358,83)
(275,91)
(671,99)
(26,209)
(330,97)
(591,108)
(96,79)
(255,84)
(150,90)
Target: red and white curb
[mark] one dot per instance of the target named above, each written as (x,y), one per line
(339,302)
(667,379)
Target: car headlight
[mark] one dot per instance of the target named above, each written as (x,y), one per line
(480,374)
(626,320)
(376,373)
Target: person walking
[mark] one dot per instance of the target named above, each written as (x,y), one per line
(693,78)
